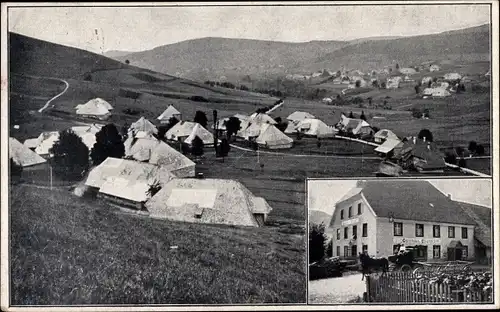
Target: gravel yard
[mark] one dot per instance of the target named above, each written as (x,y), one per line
(336,290)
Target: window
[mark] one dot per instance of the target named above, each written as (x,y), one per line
(398,229)
(436,251)
(436,231)
(350,212)
(342,214)
(338,234)
(354,231)
(359,208)
(465,252)
(365,229)
(338,251)
(346,251)
(451,232)
(419,230)
(365,248)
(345,232)
(464,233)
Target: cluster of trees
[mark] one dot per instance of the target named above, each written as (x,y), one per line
(353,116)
(417,113)
(319,247)
(71,156)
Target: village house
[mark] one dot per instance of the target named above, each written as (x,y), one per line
(216,201)
(313,127)
(378,218)
(170,112)
(96,108)
(384,134)
(22,155)
(393,82)
(126,183)
(420,155)
(186,131)
(434,68)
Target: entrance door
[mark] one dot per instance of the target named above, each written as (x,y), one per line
(458,254)
(354,250)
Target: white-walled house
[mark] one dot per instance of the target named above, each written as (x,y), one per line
(377,217)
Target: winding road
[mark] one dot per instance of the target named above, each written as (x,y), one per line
(55,97)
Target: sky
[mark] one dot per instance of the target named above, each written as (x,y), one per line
(137,29)
(324,194)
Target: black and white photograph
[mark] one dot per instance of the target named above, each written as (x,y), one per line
(400,241)
(161,155)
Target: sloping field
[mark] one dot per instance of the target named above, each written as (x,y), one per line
(72,252)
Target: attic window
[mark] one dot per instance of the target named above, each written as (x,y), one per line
(198,212)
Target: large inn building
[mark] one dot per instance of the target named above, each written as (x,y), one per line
(379,216)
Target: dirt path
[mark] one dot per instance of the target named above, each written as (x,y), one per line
(336,290)
(55,97)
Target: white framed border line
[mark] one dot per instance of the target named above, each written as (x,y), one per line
(4,299)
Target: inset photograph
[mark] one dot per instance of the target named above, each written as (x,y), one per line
(400,241)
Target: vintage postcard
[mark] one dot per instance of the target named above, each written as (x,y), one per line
(163,156)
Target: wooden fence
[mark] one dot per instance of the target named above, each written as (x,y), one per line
(403,287)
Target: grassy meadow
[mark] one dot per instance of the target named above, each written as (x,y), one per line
(71,251)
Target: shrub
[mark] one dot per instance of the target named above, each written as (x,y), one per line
(108,144)
(427,134)
(71,156)
(201,118)
(317,239)
(197,146)
(198,98)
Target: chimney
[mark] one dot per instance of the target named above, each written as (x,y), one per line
(449,196)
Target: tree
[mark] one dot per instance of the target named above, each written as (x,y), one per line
(154,188)
(472,147)
(417,89)
(397,66)
(480,150)
(224,148)
(15,170)
(358,83)
(351,115)
(329,248)
(216,136)
(425,133)
(362,116)
(450,158)
(370,101)
(127,62)
(382,85)
(197,147)
(462,163)
(318,143)
(108,144)
(233,125)
(339,73)
(201,118)
(163,129)
(71,156)
(317,239)
(244,88)
(429,84)
(375,83)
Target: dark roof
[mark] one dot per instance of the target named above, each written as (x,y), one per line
(424,150)
(413,200)
(481,216)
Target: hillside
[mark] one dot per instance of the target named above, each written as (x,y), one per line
(70,251)
(210,58)
(460,46)
(318,217)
